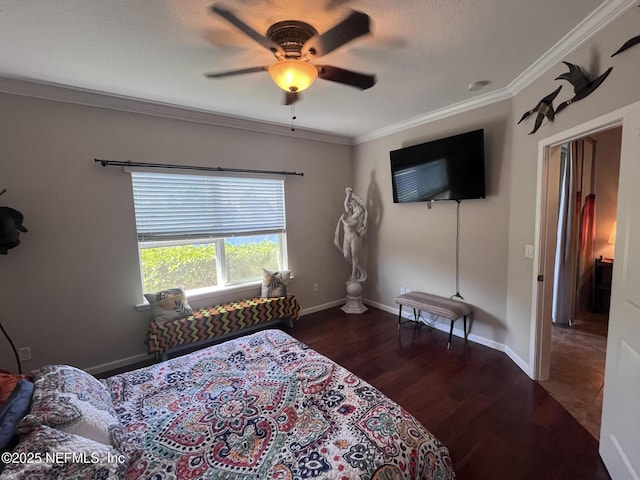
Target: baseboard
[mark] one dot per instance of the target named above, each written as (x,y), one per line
(524,366)
(444,327)
(123,362)
(380,306)
(128,361)
(324,306)
(458,332)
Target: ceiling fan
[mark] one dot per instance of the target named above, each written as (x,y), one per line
(294,44)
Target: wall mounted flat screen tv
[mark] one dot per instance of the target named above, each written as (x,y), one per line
(450,168)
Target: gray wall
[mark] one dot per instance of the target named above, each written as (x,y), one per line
(414,247)
(69,290)
(607,173)
(620,89)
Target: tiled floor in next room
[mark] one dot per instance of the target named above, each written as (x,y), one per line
(577,368)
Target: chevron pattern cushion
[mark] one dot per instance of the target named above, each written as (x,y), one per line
(216,321)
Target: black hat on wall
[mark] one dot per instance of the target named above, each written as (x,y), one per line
(10,224)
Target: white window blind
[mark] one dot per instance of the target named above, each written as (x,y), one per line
(170,206)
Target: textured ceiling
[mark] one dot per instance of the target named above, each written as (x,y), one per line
(424,53)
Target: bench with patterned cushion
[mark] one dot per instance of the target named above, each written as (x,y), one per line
(220,322)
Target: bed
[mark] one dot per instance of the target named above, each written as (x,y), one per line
(264,406)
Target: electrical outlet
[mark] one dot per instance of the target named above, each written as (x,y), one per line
(403,290)
(315,287)
(24,354)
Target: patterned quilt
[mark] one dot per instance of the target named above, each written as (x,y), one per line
(267,407)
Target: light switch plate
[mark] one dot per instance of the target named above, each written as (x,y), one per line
(528,251)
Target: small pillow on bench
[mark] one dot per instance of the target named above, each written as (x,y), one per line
(168,305)
(274,284)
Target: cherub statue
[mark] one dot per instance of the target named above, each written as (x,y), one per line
(354,225)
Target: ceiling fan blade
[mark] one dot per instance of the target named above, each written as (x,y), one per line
(229,16)
(291,97)
(354,26)
(348,77)
(236,72)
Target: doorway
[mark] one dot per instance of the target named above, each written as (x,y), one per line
(577,251)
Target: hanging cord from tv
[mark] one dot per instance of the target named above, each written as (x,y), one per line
(15,352)
(457,294)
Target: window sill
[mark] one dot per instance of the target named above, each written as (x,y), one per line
(203,297)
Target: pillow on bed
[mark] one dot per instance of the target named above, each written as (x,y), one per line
(57,454)
(274,284)
(8,382)
(13,410)
(73,401)
(168,305)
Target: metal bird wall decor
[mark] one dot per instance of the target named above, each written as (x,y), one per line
(627,45)
(544,108)
(583,86)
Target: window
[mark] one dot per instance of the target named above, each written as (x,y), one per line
(203,231)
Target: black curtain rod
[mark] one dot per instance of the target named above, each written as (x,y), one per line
(115,163)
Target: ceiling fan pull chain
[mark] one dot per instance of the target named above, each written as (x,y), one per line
(293,117)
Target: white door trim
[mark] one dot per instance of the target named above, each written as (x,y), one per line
(540,339)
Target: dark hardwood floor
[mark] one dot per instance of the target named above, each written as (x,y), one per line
(497,422)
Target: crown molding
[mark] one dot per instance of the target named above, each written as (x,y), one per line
(439,114)
(596,21)
(63,93)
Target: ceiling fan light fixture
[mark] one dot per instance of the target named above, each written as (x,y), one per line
(293,75)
